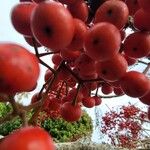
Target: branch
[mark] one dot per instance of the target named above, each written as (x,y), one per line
(38,56)
(141,119)
(31,106)
(19,112)
(47,53)
(146,69)
(44,96)
(142,62)
(72,73)
(76,95)
(44,86)
(111,96)
(3,97)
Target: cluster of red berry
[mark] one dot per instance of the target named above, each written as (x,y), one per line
(124,127)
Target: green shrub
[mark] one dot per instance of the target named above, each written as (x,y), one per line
(5,108)
(9,126)
(60,130)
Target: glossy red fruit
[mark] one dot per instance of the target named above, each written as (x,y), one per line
(56,59)
(27,139)
(106,89)
(115,84)
(88,102)
(70,112)
(19,69)
(72,94)
(85,91)
(79,35)
(118,91)
(47,30)
(148,113)
(130,60)
(48,75)
(92,86)
(35,98)
(79,10)
(85,65)
(141,16)
(145,99)
(133,6)
(102,41)
(113,69)
(33,88)
(135,84)
(30,41)
(112,11)
(137,45)
(20,17)
(98,100)
(70,55)
(145,4)
(89,77)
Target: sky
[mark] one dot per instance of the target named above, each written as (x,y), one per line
(8,33)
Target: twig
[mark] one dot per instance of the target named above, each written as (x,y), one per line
(72,73)
(146,69)
(38,56)
(142,62)
(75,98)
(16,110)
(107,97)
(44,96)
(3,97)
(31,106)
(47,53)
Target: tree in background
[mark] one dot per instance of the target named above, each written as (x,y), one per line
(125,126)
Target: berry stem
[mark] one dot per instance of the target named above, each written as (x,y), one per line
(47,53)
(38,56)
(75,98)
(44,96)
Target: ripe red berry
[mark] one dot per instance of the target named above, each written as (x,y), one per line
(19,68)
(88,102)
(102,41)
(27,139)
(98,100)
(145,4)
(135,84)
(70,112)
(115,12)
(137,45)
(145,99)
(47,30)
(20,17)
(113,69)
